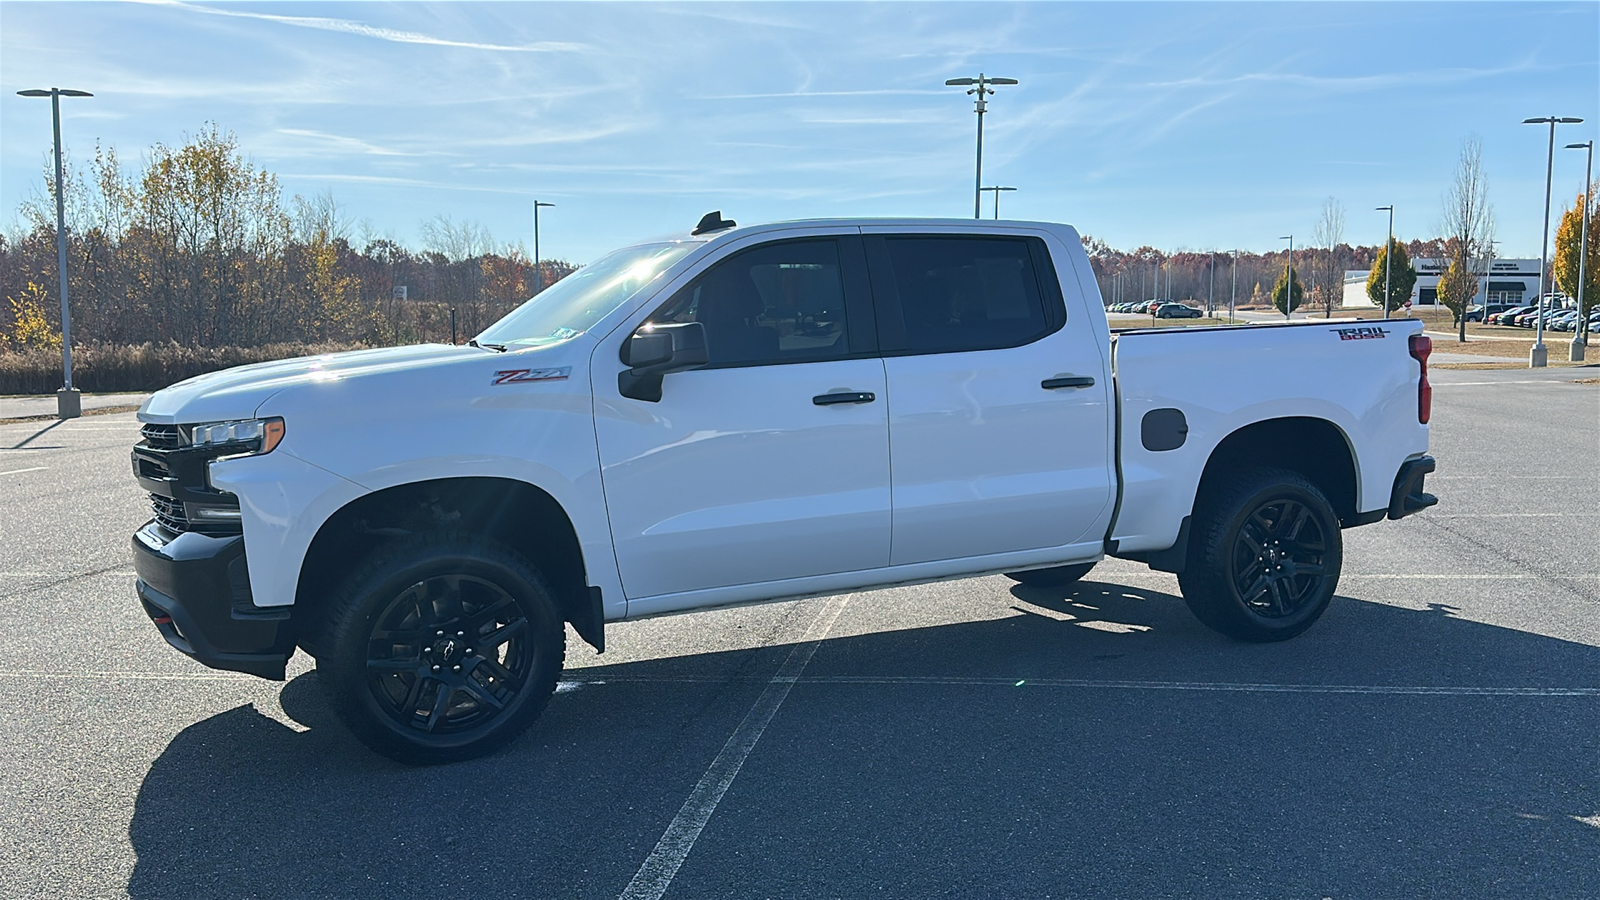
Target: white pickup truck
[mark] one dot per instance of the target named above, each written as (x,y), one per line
(745,414)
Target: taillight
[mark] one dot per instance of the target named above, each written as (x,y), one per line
(1421,348)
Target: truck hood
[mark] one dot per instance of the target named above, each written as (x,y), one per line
(237,393)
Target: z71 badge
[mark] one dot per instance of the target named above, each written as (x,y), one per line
(1365,332)
(522,376)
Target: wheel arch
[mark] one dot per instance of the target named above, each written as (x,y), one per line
(520,515)
(1316,448)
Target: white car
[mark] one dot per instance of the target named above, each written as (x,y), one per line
(742,414)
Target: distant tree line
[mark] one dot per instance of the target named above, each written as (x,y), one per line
(200,248)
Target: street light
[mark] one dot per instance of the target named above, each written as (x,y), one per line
(1234,292)
(1539,355)
(1388,257)
(997,189)
(538,270)
(1288,278)
(68,403)
(980,87)
(1579,340)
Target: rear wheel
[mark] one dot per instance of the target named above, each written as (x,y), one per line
(442,648)
(1264,556)
(1055,576)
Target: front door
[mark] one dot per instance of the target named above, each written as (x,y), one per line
(770,463)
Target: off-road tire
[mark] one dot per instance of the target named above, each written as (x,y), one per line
(1264,555)
(1055,576)
(441,648)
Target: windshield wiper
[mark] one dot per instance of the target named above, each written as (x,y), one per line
(498,348)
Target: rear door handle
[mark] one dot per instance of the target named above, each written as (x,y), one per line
(1067,381)
(844,397)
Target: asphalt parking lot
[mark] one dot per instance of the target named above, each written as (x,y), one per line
(1436,734)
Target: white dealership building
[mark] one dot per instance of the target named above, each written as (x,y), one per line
(1510,282)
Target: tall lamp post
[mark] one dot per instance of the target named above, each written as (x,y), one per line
(1388,257)
(980,88)
(1579,339)
(1540,355)
(538,270)
(68,402)
(1234,292)
(997,189)
(1288,278)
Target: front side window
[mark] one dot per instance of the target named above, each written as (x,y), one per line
(964,293)
(777,303)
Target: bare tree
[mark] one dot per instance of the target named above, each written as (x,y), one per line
(1329,233)
(1466,225)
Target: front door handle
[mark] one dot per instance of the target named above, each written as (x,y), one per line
(844,397)
(1067,381)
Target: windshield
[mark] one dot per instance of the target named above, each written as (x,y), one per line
(572,305)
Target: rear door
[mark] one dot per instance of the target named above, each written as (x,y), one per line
(772,462)
(999,414)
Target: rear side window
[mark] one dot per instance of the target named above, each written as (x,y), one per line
(778,303)
(948,294)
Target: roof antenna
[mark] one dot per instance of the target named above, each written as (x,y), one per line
(713,221)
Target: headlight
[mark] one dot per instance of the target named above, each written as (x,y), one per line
(243,438)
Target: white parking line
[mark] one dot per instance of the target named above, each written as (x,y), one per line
(659,868)
(1212,686)
(30,469)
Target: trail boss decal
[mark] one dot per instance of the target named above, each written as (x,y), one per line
(1362,333)
(522,376)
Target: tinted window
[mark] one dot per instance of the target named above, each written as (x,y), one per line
(776,303)
(965,293)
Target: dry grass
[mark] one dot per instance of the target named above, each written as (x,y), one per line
(113,368)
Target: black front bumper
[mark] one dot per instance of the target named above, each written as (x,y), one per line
(1407,495)
(196,589)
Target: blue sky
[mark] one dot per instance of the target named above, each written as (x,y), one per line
(1187,125)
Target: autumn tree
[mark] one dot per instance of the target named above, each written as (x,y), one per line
(1457,287)
(1329,234)
(1568,236)
(1467,226)
(1287,294)
(1401,279)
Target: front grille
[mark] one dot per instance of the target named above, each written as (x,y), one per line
(161,437)
(169,513)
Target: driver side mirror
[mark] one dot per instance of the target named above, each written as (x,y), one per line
(657,350)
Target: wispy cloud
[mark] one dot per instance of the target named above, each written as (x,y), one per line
(360,29)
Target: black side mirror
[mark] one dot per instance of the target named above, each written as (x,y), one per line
(657,350)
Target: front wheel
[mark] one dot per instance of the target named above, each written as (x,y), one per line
(1264,556)
(442,648)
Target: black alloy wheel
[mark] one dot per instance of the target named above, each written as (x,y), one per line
(1264,555)
(441,648)
(1278,558)
(449,654)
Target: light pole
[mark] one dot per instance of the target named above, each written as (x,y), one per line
(1539,355)
(1488,272)
(1579,340)
(980,88)
(997,189)
(68,402)
(1288,278)
(1211,292)
(1388,257)
(538,270)
(1234,292)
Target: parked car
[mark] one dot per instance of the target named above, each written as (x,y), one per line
(655,434)
(1505,317)
(1178,311)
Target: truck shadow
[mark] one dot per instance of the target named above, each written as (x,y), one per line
(1388,752)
